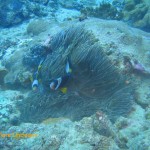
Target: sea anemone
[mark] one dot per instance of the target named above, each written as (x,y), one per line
(95,83)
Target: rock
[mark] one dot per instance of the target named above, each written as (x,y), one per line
(11,13)
(18,75)
(144,23)
(3,72)
(53,120)
(147,114)
(35,54)
(35,27)
(66,14)
(103,125)
(24,78)
(133,127)
(82,17)
(8,110)
(121,123)
(19,78)
(14,120)
(16,11)
(143,94)
(75,135)
(140,142)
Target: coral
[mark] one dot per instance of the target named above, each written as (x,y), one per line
(18,78)
(35,54)
(64,135)
(14,12)
(11,13)
(141,142)
(37,26)
(23,78)
(7,108)
(96,83)
(17,74)
(104,11)
(145,22)
(134,130)
(137,13)
(102,125)
(106,143)
(5,44)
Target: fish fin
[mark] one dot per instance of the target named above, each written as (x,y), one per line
(39,67)
(68,69)
(31,78)
(63,90)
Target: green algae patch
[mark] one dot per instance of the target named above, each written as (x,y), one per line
(147,115)
(53,120)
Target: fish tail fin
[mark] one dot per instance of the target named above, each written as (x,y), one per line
(63,90)
(68,68)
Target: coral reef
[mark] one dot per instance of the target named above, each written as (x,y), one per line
(120,43)
(5,44)
(95,132)
(143,141)
(64,135)
(134,12)
(137,13)
(104,11)
(134,131)
(13,12)
(8,111)
(17,74)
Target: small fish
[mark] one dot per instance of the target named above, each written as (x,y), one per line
(35,85)
(60,82)
(68,69)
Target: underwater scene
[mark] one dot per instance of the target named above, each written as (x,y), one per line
(74,74)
